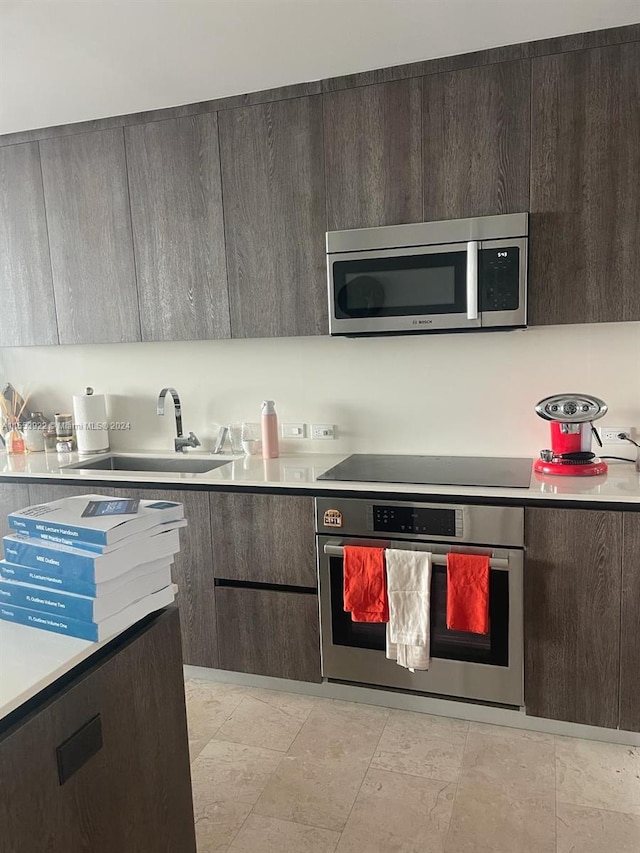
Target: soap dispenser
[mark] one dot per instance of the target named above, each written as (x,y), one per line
(270,448)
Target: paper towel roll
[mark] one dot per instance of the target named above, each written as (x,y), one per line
(90,419)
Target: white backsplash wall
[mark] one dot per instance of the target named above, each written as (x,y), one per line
(443,394)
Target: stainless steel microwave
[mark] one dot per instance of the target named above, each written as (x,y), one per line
(462,274)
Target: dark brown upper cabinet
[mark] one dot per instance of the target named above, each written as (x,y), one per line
(274,210)
(373,155)
(476,134)
(87,203)
(178,228)
(585,173)
(26,289)
(630,629)
(573,571)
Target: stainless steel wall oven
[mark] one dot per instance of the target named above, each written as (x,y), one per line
(473,666)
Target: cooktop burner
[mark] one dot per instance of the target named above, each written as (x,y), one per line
(433,470)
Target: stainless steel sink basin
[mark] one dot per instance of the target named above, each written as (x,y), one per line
(166,464)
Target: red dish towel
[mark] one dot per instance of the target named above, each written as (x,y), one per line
(365,584)
(468,593)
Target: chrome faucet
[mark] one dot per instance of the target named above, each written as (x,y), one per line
(180,443)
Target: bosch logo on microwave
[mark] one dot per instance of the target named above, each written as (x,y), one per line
(425,322)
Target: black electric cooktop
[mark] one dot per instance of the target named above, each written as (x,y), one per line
(433,470)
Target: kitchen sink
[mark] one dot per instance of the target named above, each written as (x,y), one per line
(160,464)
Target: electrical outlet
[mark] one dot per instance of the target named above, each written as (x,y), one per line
(609,434)
(323,431)
(293,430)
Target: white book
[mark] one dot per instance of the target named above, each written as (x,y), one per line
(94,518)
(84,607)
(81,565)
(95,631)
(53,581)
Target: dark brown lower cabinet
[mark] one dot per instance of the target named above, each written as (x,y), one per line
(13,496)
(573,568)
(630,645)
(192,569)
(269,632)
(134,792)
(264,538)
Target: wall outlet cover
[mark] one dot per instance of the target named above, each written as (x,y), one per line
(293,430)
(323,431)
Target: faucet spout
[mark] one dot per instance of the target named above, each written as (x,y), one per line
(176,405)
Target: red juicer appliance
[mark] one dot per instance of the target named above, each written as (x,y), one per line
(571,419)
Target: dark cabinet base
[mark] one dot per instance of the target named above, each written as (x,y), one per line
(132,792)
(269,632)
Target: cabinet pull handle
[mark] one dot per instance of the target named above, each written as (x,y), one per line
(79,748)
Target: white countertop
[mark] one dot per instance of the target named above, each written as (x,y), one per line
(31,660)
(620,485)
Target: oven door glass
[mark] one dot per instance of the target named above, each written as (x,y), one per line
(491,648)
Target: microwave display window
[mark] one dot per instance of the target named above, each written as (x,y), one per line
(396,287)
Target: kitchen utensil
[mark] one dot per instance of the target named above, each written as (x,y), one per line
(571,419)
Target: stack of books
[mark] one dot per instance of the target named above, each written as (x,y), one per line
(89,566)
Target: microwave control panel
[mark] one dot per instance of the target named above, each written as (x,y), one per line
(499,278)
(423,521)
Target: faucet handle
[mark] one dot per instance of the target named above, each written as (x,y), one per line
(181,443)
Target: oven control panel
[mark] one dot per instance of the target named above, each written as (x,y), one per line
(424,521)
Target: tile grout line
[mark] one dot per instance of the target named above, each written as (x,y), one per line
(455,796)
(355,800)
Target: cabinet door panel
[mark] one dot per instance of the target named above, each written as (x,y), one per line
(373,155)
(192,571)
(573,568)
(13,496)
(178,229)
(87,202)
(630,648)
(585,171)
(135,792)
(274,210)
(26,287)
(264,538)
(42,493)
(267,632)
(476,141)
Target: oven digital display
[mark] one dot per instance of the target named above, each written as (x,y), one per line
(404,519)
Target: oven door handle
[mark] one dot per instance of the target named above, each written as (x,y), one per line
(437,559)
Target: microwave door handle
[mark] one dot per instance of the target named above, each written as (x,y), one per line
(472,280)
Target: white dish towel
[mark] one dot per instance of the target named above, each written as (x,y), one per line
(408,587)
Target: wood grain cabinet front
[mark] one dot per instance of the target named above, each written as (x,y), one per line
(585,173)
(476,132)
(268,539)
(27,309)
(269,632)
(13,496)
(87,202)
(274,212)
(373,155)
(178,228)
(125,788)
(573,569)
(630,628)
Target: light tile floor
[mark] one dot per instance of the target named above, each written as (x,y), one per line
(282,773)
